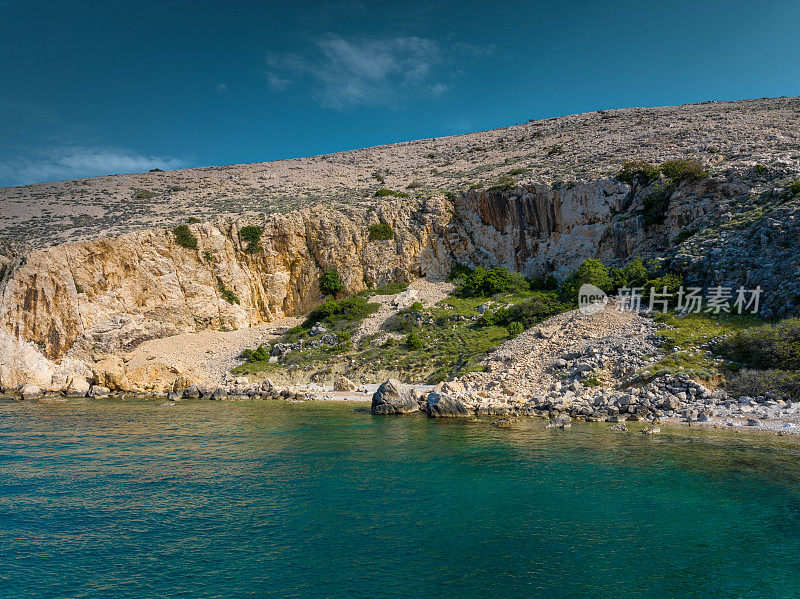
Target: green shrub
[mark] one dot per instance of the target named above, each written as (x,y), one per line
(407,319)
(353,308)
(684,170)
(504,183)
(382,193)
(193,220)
(483,282)
(656,202)
(638,171)
(144,195)
(414,185)
(765,347)
(634,274)
(330,282)
(590,271)
(670,280)
(380,232)
(390,288)
(794,188)
(252,235)
(547,283)
(207,255)
(413,341)
(528,313)
(752,383)
(228,295)
(184,237)
(555,150)
(260,354)
(515,328)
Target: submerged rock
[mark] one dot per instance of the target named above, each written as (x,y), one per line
(440,405)
(392,397)
(560,421)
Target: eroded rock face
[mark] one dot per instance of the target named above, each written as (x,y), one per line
(111,294)
(108,295)
(537,229)
(392,397)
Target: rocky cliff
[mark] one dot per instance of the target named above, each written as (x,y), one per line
(66,307)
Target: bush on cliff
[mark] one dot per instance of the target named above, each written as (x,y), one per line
(228,295)
(638,171)
(252,235)
(380,232)
(656,202)
(184,237)
(515,328)
(330,282)
(383,193)
(686,169)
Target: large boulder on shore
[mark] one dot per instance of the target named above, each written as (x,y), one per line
(342,383)
(392,397)
(440,405)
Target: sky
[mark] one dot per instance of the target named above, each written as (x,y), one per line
(96,88)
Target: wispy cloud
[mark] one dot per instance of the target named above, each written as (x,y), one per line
(369,72)
(73,162)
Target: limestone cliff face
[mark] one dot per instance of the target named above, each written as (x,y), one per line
(537,229)
(110,294)
(77,303)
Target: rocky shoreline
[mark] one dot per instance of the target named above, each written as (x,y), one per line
(673,400)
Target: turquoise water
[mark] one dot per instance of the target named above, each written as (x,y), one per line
(127,499)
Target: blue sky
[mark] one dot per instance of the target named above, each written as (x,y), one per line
(93,88)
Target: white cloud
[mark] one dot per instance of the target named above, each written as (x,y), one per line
(364,72)
(222,88)
(76,162)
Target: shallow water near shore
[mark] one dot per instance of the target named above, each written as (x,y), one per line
(259,499)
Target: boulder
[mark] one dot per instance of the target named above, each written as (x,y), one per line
(392,397)
(440,405)
(405,299)
(342,383)
(219,394)
(267,386)
(191,392)
(110,372)
(78,387)
(30,391)
(99,391)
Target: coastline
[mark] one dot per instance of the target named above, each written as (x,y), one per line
(315,394)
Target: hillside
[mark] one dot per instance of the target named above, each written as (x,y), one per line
(731,137)
(95,272)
